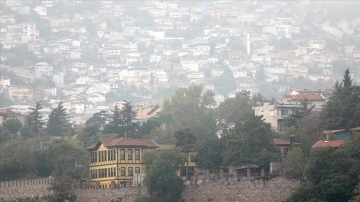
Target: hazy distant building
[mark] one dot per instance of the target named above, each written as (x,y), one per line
(276,114)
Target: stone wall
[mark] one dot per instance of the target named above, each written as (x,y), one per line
(24,189)
(254,190)
(207,188)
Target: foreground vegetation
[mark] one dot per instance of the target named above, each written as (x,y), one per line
(190,121)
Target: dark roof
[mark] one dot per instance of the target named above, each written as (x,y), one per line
(277,141)
(124,142)
(331,143)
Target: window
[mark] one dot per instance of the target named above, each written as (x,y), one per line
(192,157)
(137,154)
(115,172)
(130,171)
(105,155)
(137,170)
(284,112)
(93,157)
(129,154)
(122,154)
(122,171)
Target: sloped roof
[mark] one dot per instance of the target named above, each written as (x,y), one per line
(124,142)
(166,146)
(357,128)
(327,132)
(308,96)
(331,143)
(277,141)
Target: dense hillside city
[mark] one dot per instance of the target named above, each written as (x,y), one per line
(94,54)
(179,100)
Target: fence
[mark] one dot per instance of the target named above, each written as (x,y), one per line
(23,183)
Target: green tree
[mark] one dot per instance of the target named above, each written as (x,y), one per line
(162,182)
(343,108)
(128,116)
(250,141)
(69,157)
(185,103)
(17,160)
(58,123)
(35,119)
(209,154)
(11,126)
(224,83)
(186,141)
(294,164)
(93,126)
(332,174)
(61,186)
(233,109)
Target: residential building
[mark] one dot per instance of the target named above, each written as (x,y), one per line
(114,162)
(275,114)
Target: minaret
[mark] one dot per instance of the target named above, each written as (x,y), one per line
(248,44)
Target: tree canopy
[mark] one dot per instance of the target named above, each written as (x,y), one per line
(342,111)
(234,109)
(58,123)
(250,141)
(162,182)
(332,174)
(35,119)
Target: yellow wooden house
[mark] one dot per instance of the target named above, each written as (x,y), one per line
(116,162)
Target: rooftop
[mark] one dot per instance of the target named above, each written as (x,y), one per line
(331,143)
(124,142)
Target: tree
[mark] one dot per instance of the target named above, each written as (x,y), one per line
(250,141)
(186,102)
(294,164)
(233,109)
(17,160)
(186,141)
(128,116)
(332,174)
(122,122)
(35,119)
(93,126)
(11,126)
(58,123)
(61,186)
(209,154)
(343,108)
(69,157)
(162,182)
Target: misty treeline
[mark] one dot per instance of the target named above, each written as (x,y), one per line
(227,134)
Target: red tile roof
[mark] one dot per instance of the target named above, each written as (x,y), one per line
(125,142)
(310,97)
(331,143)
